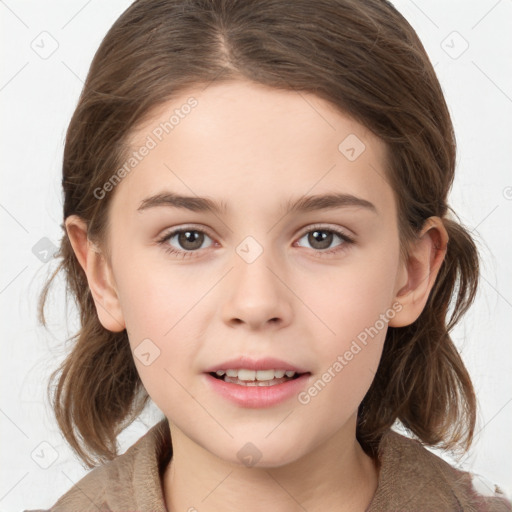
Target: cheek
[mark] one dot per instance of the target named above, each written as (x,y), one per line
(155,297)
(159,308)
(352,296)
(353,304)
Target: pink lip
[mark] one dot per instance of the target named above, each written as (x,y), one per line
(244,362)
(258,396)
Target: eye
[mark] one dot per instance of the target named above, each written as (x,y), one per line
(321,238)
(189,240)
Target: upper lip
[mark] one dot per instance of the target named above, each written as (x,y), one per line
(266,363)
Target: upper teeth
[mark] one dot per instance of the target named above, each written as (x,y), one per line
(255,375)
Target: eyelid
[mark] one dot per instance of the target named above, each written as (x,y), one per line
(335,229)
(176,229)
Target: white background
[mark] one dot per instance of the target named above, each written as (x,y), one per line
(38,96)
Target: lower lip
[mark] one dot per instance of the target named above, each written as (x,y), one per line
(258,396)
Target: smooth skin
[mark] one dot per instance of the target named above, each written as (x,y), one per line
(255,148)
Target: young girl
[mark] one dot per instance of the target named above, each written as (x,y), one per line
(258,238)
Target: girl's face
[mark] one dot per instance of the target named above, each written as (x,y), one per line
(250,276)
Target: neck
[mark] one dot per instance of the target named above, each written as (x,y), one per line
(337,475)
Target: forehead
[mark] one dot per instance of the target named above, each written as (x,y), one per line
(244,142)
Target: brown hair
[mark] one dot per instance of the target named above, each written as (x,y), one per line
(365,59)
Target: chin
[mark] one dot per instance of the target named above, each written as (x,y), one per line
(262,454)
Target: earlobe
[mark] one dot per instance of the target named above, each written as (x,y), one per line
(99,275)
(426,255)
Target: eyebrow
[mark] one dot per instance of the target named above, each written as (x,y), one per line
(302,204)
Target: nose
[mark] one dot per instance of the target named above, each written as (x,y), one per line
(256,295)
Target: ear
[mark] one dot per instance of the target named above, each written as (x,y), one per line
(418,274)
(99,275)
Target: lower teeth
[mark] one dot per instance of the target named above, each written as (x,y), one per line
(273,382)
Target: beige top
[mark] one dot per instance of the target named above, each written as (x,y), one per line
(411,478)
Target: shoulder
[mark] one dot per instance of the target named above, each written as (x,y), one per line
(131,481)
(413,478)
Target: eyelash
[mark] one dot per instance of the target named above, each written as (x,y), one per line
(321,253)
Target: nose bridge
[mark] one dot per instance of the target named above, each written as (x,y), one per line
(257,295)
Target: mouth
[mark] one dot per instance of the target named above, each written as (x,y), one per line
(256,383)
(260,378)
